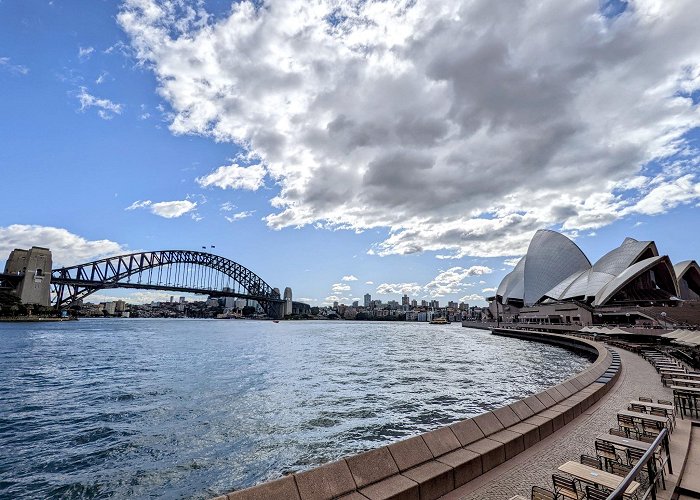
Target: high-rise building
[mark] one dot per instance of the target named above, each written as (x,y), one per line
(414,303)
(404,300)
(435,304)
(368,300)
(355,303)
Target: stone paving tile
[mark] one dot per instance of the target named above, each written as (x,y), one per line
(536,465)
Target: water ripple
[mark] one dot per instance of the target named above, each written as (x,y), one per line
(191,409)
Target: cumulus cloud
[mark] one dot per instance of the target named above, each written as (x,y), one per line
(447,122)
(473,297)
(340,287)
(166,209)
(399,288)
(239,215)
(349,277)
(369,282)
(451,281)
(106,109)
(66,248)
(15,69)
(235,177)
(512,262)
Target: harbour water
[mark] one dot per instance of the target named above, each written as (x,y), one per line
(192,408)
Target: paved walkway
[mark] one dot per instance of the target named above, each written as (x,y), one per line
(536,465)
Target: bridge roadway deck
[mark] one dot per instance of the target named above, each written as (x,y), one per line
(536,465)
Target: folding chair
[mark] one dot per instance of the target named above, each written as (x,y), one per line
(542,494)
(564,486)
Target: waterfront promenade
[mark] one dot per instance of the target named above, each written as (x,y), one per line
(536,465)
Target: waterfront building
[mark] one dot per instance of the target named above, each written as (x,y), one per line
(368,300)
(556,283)
(404,300)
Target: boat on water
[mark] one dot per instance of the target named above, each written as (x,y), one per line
(439,321)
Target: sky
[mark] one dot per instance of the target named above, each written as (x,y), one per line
(349,147)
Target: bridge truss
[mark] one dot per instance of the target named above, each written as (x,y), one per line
(174,270)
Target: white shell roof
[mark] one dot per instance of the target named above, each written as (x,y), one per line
(606,293)
(550,258)
(606,269)
(683,267)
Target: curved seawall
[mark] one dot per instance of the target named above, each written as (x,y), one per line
(432,464)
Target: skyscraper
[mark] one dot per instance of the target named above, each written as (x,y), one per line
(368,300)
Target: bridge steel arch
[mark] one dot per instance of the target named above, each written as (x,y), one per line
(137,270)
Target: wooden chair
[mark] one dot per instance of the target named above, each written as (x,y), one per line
(596,494)
(637,408)
(650,428)
(669,403)
(646,400)
(617,432)
(564,486)
(622,471)
(627,424)
(660,412)
(634,456)
(591,461)
(606,452)
(542,494)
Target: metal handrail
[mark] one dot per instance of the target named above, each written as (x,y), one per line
(662,438)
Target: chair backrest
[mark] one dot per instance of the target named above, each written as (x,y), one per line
(647,439)
(617,432)
(634,455)
(636,407)
(619,469)
(564,484)
(645,399)
(664,402)
(539,493)
(596,494)
(651,428)
(591,461)
(659,412)
(604,449)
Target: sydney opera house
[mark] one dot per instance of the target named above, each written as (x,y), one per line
(632,284)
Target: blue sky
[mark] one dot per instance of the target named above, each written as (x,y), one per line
(310,149)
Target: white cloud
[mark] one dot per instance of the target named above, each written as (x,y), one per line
(239,215)
(351,106)
(471,298)
(101,78)
(106,109)
(235,177)
(490,289)
(340,287)
(227,207)
(512,262)
(166,209)
(398,288)
(15,69)
(67,248)
(85,52)
(369,282)
(451,281)
(349,277)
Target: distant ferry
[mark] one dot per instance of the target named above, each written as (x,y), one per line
(439,321)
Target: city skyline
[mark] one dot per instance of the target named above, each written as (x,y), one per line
(349,150)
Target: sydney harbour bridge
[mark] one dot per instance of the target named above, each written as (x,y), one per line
(174,270)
